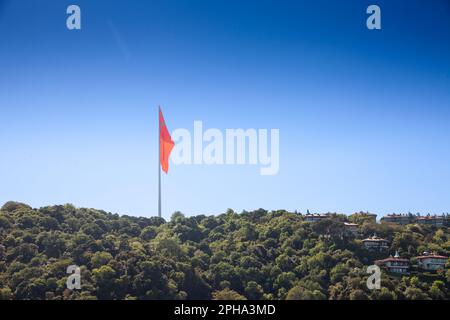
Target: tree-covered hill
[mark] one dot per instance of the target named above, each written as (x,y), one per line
(252,255)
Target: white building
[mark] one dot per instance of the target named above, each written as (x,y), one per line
(431,262)
(395,264)
(310,217)
(401,219)
(437,221)
(376,243)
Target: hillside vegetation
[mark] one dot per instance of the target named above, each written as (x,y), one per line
(251,255)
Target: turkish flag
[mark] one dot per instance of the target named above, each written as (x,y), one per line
(165,143)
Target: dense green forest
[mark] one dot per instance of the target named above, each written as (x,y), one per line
(251,255)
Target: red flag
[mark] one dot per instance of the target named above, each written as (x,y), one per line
(165,143)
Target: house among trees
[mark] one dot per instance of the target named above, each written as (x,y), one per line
(351,228)
(431,262)
(435,220)
(314,217)
(395,264)
(376,243)
(401,219)
(409,218)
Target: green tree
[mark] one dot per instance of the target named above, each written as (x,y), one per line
(227,294)
(100,258)
(413,293)
(254,291)
(6,294)
(300,293)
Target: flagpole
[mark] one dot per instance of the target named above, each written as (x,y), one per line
(159,164)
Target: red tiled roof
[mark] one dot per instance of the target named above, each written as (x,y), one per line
(394,215)
(392,259)
(432,257)
(430,218)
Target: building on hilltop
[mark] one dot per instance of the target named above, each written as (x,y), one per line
(394,264)
(401,219)
(314,217)
(404,219)
(434,220)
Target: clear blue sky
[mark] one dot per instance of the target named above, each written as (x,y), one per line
(364,116)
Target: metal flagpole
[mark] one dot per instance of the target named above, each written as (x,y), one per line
(159,164)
